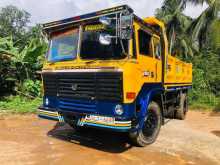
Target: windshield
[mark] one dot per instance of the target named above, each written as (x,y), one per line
(91,48)
(63,46)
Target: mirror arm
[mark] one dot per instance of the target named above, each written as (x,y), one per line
(117,29)
(122,45)
(120,32)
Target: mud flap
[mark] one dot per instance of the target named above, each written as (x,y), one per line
(143,113)
(144,102)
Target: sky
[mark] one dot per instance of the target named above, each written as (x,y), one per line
(43,11)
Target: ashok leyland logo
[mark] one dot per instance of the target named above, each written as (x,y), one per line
(74,87)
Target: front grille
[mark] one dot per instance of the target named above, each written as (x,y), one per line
(86,85)
(50,85)
(76,105)
(76,85)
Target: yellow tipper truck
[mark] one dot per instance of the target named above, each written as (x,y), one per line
(112,70)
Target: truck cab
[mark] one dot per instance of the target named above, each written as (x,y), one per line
(112,70)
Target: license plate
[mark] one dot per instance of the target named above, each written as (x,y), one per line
(100,119)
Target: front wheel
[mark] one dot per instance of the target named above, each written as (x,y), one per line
(151,128)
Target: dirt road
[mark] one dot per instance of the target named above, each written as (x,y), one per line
(27,140)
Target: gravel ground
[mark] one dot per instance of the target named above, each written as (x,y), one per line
(29,140)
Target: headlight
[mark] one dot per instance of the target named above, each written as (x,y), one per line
(119,110)
(47,102)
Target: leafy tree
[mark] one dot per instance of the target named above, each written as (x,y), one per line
(13,22)
(21,51)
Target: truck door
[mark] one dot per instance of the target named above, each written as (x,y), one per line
(157,51)
(147,62)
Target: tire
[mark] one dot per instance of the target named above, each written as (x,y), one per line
(148,135)
(183,107)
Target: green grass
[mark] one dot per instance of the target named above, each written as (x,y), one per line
(203,101)
(17,104)
(203,107)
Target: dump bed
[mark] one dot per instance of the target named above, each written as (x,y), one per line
(178,73)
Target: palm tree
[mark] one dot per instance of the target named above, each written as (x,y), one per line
(185,34)
(214,35)
(177,23)
(201,25)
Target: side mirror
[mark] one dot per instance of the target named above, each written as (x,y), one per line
(105,39)
(126,26)
(126,21)
(105,21)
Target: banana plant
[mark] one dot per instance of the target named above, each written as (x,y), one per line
(25,59)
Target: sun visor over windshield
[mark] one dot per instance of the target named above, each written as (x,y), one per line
(73,21)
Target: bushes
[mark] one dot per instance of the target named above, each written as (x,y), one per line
(17,104)
(206,80)
(32,88)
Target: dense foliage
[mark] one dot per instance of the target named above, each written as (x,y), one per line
(22,50)
(21,53)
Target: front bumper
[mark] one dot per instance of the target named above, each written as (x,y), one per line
(50,115)
(118,125)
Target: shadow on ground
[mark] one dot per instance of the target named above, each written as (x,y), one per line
(106,141)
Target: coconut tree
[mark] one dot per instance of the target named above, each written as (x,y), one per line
(214,35)
(186,35)
(177,23)
(200,27)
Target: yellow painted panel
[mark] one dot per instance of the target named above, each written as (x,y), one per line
(178,71)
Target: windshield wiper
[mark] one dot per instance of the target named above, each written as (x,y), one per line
(90,62)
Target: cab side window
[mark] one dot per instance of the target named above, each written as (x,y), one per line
(157,48)
(144,43)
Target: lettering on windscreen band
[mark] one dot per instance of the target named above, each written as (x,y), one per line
(64,33)
(81,67)
(77,67)
(95,27)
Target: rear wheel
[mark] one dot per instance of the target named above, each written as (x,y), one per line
(151,127)
(183,107)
